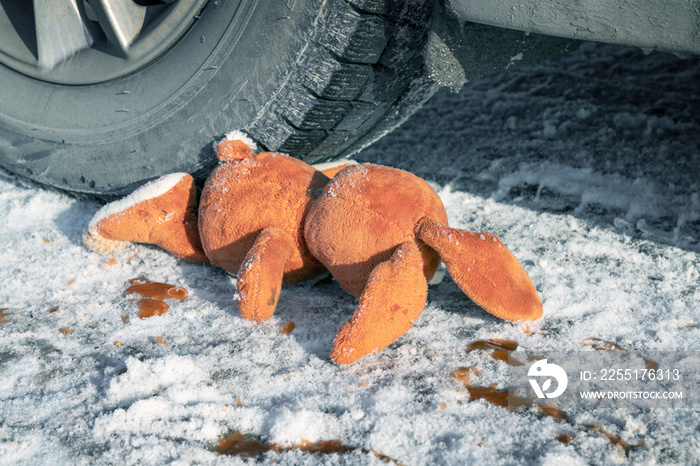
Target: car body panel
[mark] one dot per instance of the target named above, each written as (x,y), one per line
(670,26)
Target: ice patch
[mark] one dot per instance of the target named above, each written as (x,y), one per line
(635,198)
(144,379)
(514,60)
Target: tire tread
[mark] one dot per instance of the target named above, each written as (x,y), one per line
(358,69)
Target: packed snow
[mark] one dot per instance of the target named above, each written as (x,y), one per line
(587,167)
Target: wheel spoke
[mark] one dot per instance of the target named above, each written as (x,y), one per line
(61,30)
(121,21)
(89,41)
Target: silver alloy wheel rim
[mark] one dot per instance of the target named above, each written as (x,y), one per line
(80,42)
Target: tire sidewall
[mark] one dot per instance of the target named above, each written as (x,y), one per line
(163,118)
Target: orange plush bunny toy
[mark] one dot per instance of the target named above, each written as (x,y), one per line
(270,218)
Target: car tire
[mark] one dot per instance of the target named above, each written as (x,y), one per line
(317,79)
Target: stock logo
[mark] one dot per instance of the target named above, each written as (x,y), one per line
(551,371)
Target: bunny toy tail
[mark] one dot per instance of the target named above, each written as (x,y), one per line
(235,146)
(484,269)
(392,301)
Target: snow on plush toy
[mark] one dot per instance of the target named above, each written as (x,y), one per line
(269,218)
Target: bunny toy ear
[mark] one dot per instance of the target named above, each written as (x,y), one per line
(484,269)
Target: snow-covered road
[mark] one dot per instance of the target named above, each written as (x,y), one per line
(587,167)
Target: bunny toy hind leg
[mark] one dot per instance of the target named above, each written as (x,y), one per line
(484,269)
(392,301)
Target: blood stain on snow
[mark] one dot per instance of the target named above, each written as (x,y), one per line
(528,331)
(553,412)
(238,444)
(605,345)
(511,402)
(110,262)
(601,345)
(565,437)
(493,343)
(501,349)
(503,355)
(614,439)
(492,395)
(502,398)
(323,447)
(288,327)
(464,374)
(153,295)
(152,307)
(155,290)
